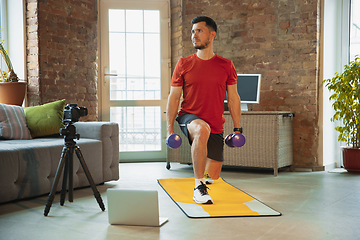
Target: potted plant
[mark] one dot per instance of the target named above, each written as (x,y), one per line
(11,90)
(346,97)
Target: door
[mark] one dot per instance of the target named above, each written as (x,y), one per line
(135,74)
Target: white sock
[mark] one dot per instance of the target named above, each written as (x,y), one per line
(198,182)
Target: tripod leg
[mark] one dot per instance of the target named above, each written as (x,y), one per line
(56,181)
(64,183)
(71,167)
(90,179)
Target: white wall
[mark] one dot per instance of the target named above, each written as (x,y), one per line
(331,62)
(16,36)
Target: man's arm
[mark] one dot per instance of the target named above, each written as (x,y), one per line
(172,108)
(234,105)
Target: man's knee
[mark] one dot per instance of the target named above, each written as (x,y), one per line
(199,129)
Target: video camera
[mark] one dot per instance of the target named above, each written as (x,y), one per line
(72,113)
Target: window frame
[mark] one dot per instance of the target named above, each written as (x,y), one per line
(3,28)
(345,32)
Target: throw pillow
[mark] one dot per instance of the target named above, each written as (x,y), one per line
(13,123)
(46,119)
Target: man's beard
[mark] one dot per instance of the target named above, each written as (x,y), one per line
(202,46)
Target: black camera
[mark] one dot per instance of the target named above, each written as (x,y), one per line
(72,113)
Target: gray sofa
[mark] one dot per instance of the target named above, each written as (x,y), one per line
(28,167)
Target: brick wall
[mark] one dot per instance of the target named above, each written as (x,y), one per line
(32,53)
(176,31)
(62,53)
(277,38)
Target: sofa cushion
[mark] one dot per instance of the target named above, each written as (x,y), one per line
(13,123)
(46,119)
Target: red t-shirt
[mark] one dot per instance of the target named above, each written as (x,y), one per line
(204,87)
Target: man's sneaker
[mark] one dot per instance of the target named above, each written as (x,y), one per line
(208,179)
(201,195)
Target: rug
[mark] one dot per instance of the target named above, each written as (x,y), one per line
(229,201)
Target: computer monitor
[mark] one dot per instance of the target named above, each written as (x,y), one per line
(248,87)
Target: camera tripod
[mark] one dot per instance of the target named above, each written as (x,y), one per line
(67,159)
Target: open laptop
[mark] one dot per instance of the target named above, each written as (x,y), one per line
(134,207)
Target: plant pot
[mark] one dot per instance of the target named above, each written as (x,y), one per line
(12,93)
(351,159)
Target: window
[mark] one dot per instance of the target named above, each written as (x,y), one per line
(134,51)
(134,43)
(134,69)
(354,29)
(139,127)
(12,31)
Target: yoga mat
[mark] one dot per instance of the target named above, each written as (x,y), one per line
(229,201)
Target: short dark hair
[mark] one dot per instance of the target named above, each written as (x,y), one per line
(210,23)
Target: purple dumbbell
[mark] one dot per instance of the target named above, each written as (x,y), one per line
(235,140)
(173,141)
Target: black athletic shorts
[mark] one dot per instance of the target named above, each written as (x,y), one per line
(215,143)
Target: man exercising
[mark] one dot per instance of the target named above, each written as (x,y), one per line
(203,78)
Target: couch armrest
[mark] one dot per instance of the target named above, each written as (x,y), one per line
(108,134)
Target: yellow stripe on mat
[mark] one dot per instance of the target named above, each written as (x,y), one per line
(229,201)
